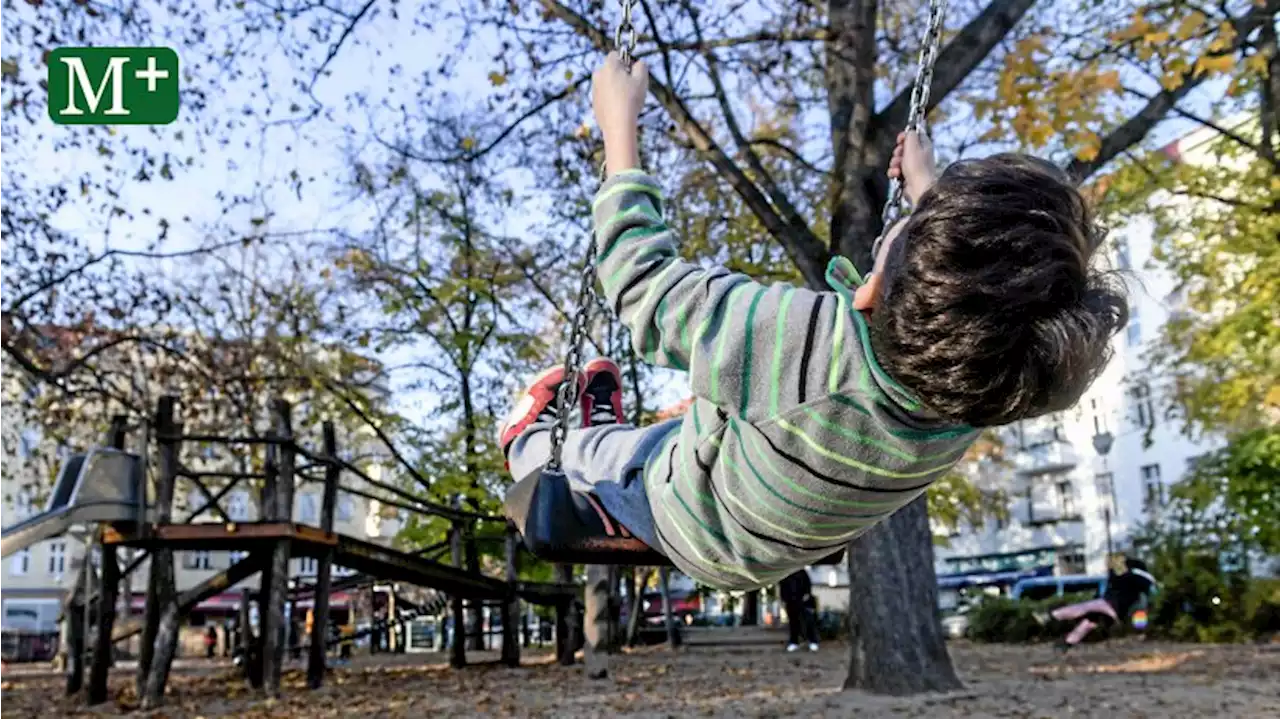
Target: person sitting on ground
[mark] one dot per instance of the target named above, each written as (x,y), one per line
(797,595)
(1128,581)
(818,413)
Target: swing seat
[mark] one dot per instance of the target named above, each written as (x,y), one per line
(561,525)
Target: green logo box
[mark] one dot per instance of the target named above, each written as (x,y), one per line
(113,85)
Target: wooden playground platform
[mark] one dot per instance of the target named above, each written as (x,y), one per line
(266,548)
(359,555)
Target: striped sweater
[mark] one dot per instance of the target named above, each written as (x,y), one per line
(797,441)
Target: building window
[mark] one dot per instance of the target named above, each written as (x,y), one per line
(238,506)
(197,560)
(1144,407)
(1066,499)
(1152,487)
(308,566)
(23,506)
(308,512)
(346,508)
(21,563)
(57,558)
(28,440)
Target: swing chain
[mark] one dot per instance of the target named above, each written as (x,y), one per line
(625,37)
(916,113)
(625,40)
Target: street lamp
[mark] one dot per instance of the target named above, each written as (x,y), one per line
(1102,442)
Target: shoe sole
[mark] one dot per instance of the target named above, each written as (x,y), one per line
(590,370)
(547,378)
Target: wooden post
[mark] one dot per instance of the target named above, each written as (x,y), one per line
(324,568)
(160,589)
(108,591)
(638,584)
(477,633)
(511,613)
(673,631)
(102,645)
(76,628)
(266,513)
(248,647)
(596,621)
(564,643)
(458,648)
(273,619)
(118,433)
(118,439)
(751,608)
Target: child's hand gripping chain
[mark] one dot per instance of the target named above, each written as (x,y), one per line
(617,99)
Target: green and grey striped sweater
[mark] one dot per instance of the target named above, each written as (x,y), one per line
(797,441)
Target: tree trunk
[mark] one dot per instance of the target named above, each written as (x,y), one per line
(896,644)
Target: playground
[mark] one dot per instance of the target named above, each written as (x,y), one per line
(1115,679)
(462,358)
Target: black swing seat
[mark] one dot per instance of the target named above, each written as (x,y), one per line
(568,527)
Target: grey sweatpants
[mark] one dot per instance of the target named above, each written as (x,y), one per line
(608,461)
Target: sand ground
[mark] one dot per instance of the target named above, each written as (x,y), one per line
(1116,679)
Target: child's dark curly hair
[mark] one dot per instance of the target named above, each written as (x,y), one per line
(990,312)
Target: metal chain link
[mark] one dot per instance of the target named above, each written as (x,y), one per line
(892,211)
(625,40)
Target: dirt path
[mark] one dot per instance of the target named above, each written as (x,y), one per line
(1131,679)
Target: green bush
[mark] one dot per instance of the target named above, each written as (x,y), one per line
(1261,604)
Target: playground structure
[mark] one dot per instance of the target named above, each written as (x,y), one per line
(109,488)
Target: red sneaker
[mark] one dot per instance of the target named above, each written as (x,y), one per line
(538,403)
(602,394)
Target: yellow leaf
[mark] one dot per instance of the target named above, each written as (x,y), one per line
(1109,80)
(1171,81)
(497,79)
(1214,63)
(468,143)
(1087,153)
(568,75)
(1156,38)
(1190,25)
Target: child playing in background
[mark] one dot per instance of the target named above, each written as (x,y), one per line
(819,412)
(1128,581)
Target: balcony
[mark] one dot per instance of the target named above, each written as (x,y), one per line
(1046,459)
(1039,515)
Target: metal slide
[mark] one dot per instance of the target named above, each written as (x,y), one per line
(104,485)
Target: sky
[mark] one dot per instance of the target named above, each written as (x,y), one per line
(255,158)
(320,148)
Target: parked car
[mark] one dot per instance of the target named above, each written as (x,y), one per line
(1045,587)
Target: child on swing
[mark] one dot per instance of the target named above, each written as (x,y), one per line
(818,413)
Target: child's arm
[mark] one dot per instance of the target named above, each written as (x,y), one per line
(748,348)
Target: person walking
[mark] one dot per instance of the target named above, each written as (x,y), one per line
(797,596)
